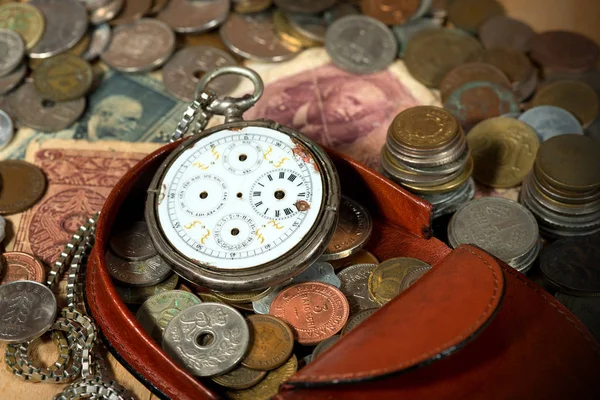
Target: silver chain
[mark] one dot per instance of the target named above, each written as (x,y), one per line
(196,111)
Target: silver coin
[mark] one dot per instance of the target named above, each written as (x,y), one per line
(106,12)
(207,339)
(587,309)
(10,81)
(59,36)
(12,50)
(457,198)
(185,16)
(44,115)
(424,8)
(159,310)
(133,242)
(148,272)
(309,25)
(550,121)
(28,310)
(355,287)
(357,319)
(99,40)
(324,345)
(305,6)
(360,44)
(138,295)
(6,130)
(182,72)
(2,234)
(407,30)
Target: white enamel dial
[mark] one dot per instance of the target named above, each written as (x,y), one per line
(240,198)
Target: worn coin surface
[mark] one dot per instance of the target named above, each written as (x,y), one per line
(25,20)
(133,242)
(323,346)
(23,184)
(305,6)
(314,310)
(469,15)
(107,12)
(269,386)
(131,11)
(471,72)
(312,27)
(550,121)
(360,44)
(286,32)
(159,310)
(242,297)
(240,378)
(271,344)
(505,32)
(147,272)
(424,127)
(12,49)
(99,40)
(390,12)
(2,236)
(207,339)
(185,16)
(138,295)
(361,257)
(393,276)
(353,230)
(141,46)
(63,77)
(564,51)
(10,81)
(22,266)
(357,319)
(407,30)
(355,286)
(28,310)
(576,97)
(6,129)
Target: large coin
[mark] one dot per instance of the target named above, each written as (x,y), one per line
(185,16)
(564,51)
(305,6)
(504,151)
(355,286)
(357,319)
(390,12)
(6,129)
(10,81)
(550,121)
(21,267)
(469,15)
(576,97)
(268,387)
(25,20)
(207,339)
(12,50)
(393,276)
(505,32)
(133,242)
(471,72)
(240,378)
(138,295)
(147,272)
(23,184)
(361,257)
(271,345)
(28,310)
(63,77)
(360,45)
(424,127)
(131,11)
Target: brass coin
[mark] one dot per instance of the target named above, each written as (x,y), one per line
(448,186)
(471,72)
(210,298)
(272,343)
(242,297)
(576,97)
(424,127)
(361,257)
(503,150)
(469,15)
(392,277)
(23,184)
(358,319)
(24,19)
(63,77)
(240,378)
(268,387)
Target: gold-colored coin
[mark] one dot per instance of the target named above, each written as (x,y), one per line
(81,46)
(24,19)
(63,77)
(240,378)
(286,32)
(424,127)
(242,297)
(269,386)
(448,186)
(503,150)
(272,343)
(361,257)
(392,277)
(576,97)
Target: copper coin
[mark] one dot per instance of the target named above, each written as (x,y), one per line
(23,184)
(272,343)
(63,77)
(576,97)
(314,310)
(505,32)
(469,15)
(564,51)
(22,266)
(361,257)
(131,11)
(392,12)
(185,16)
(470,72)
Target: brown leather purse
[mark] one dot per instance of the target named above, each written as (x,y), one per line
(470,328)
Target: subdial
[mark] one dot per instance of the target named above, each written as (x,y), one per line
(202,195)
(242,157)
(235,231)
(280,194)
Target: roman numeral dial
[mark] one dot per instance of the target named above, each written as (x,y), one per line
(275,194)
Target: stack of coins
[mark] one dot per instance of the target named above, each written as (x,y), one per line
(563,190)
(427,153)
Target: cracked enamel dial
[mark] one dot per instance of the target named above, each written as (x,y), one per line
(240,198)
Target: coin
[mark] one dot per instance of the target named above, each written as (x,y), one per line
(63,77)
(357,319)
(424,127)
(207,339)
(183,71)
(131,11)
(454,184)
(42,114)
(242,297)
(469,15)
(576,97)
(393,276)
(240,378)
(314,310)
(107,12)
(514,64)
(8,82)
(288,34)
(158,5)
(503,150)
(390,12)
(360,44)
(269,386)
(305,6)
(361,257)
(24,19)
(23,184)
(141,46)
(210,298)
(194,16)
(22,266)
(159,310)
(251,6)
(340,10)
(138,295)
(353,230)
(564,51)
(133,242)
(99,40)
(505,32)
(271,345)
(323,346)
(12,50)
(28,310)
(312,27)
(407,30)
(6,130)
(470,72)
(147,272)
(587,309)
(355,286)
(550,121)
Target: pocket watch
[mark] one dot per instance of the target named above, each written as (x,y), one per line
(244,205)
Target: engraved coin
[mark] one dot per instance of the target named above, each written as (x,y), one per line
(550,121)
(240,378)
(576,97)
(564,51)
(133,242)
(159,310)
(6,129)
(393,276)
(28,310)
(360,44)
(107,12)
(271,345)
(146,272)
(323,346)
(242,297)
(305,6)
(10,81)
(138,295)
(587,309)
(469,15)
(22,267)
(314,310)
(12,49)
(23,184)
(99,40)
(24,19)
(131,11)
(63,77)
(207,339)
(361,257)
(357,319)
(185,16)
(390,12)
(470,72)
(424,127)
(355,286)
(353,230)
(141,46)
(507,33)
(269,386)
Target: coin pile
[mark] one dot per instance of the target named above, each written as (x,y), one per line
(23,185)
(427,153)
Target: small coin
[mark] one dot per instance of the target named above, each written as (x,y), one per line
(355,286)
(272,342)
(471,72)
(576,97)
(24,19)
(390,12)
(305,6)
(138,295)
(23,184)
(269,386)
(469,15)
(550,121)
(194,16)
(133,242)
(6,130)
(353,230)
(12,49)
(507,33)
(63,77)
(251,6)
(22,266)
(147,272)
(407,30)
(107,12)
(10,81)
(99,40)
(361,257)
(159,310)
(207,339)
(360,44)
(323,346)
(141,46)
(357,319)
(131,11)
(587,309)
(393,276)
(243,297)
(564,51)
(28,310)
(240,378)
(424,127)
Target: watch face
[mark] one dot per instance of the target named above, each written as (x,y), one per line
(240,198)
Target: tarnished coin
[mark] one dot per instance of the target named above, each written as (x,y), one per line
(271,345)
(576,97)
(550,121)
(22,266)
(23,184)
(107,12)
(357,319)
(147,272)
(63,77)
(133,242)
(353,230)
(185,16)
(503,150)
(355,286)
(424,127)
(91,5)
(44,115)
(12,49)
(340,10)
(305,6)
(323,346)
(564,51)
(131,11)
(99,40)
(360,44)
(159,310)
(361,257)
(158,5)
(210,298)
(138,295)
(58,36)
(242,297)
(251,6)
(505,32)
(141,46)
(471,72)
(390,12)
(513,63)
(28,310)
(183,71)
(24,19)
(454,184)
(240,378)
(314,310)
(393,276)
(587,309)
(10,81)
(207,339)
(312,27)
(2,236)
(6,129)
(407,30)
(269,386)
(469,15)
(286,32)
